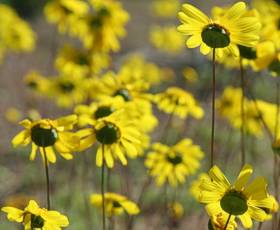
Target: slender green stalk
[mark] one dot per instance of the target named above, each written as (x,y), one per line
(260,226)
(228,219)
(242,130)
(213,105)
(47,179)
(102,189)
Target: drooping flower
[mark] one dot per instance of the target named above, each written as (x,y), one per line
(224,33)
(34,217)
(47,135)
(115,204)
(173,164)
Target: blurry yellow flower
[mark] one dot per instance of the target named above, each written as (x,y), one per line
(176,210)
(15,34)
(218,222)
(165,8)
(190,74)
(246,201)
(115,204)
(233,28)
(195,185)
(116,137)
(37,82)
(179,102)
(13,115)
(167,39)
(48,135)
(34,217)
(175,163)
(78,63)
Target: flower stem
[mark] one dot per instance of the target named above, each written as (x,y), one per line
(47,178)
(102,189)
(242,131)
(260,226)
(213,105)
(228,219)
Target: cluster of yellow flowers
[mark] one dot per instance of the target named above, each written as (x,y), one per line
(114,108)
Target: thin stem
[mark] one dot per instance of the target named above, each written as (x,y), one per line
(260,226)
(47,179)
(277,110)
(228,219)
(213,105)
(102,189)
(242,131)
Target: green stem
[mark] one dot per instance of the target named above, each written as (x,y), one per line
(102,189)
(47,179)
(242,131)
(260,226)
(228,219)
(213,105)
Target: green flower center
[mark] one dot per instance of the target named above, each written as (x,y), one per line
(277,1)
(215,36)
(82,60)
(37,222)
(275,67)
(108,134)
(234,203)
(116,204)
(32,84)
(124,93)
(175,160)
(43,137)
(66,87)
(247,52)
(103,111)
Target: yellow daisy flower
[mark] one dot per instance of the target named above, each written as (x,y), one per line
(116,136)
(115,204)
(223,33)
(190,74)
(47,135)
(218,222)
(179,102)
(165,8)
(175,163)
(243,200)
(167,39)
(34,217)
(176,210)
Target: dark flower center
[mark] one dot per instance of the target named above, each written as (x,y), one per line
(215,36)
(37,222)
(234,203)
(82,60)
(66,87)
(43,137)
(32,84)
(247,52)
(275,67)
(277,1)
(124,93)
(103,111)
(116,204)
(175,160)
(210,225)
(108,134)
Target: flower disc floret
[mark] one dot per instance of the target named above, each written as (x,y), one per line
(234,203)
(103,111)
(43,137)
(247,52)
(123,93)
(37,222)
(108,134)
(215,36)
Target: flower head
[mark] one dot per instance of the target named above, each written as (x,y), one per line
(115,204)
(47,135)
(34,217)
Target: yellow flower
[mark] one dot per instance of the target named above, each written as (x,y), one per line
(79,63)
(190,74)
(179,102)
(167,39)
(165,8)
(15,34)
(218,222)
(195,185)
(175,163)
(34,217)
(176,210)
(37,82)
(246,201)
(115,204)
(48,135)
(233,28)
(13,115)
(116,136)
